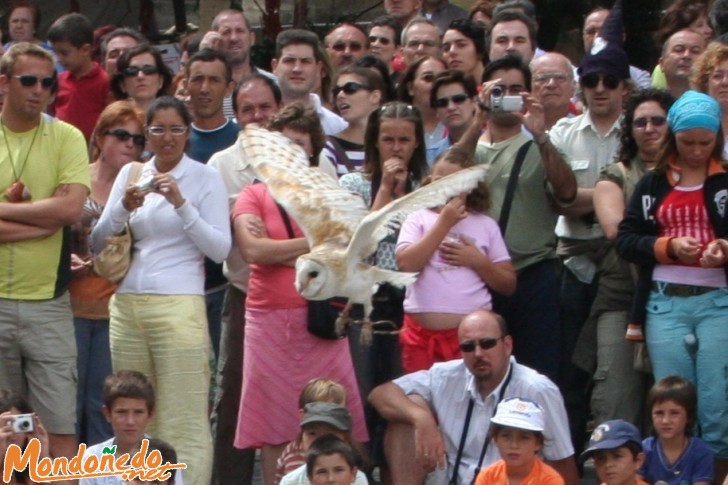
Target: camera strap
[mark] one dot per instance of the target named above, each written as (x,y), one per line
(466,426)
(511,187)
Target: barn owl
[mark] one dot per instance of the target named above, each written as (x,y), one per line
(341,230)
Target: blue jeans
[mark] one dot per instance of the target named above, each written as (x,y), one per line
(670,319)
(94,364)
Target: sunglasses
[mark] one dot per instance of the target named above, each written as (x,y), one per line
(175,130)
(146,69)
(655,121)
(591,80)
(445,100)
(382,40)
(484,343)
(123,135)
(28,81)
(349,88)
(353,46)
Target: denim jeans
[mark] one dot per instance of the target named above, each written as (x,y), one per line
(688,336)
(94,364)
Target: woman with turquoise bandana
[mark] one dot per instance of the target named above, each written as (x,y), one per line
(675,229)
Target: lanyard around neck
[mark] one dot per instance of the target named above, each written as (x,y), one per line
(466,425)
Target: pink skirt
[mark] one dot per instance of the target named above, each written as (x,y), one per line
(279,358)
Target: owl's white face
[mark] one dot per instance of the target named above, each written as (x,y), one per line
(314,280)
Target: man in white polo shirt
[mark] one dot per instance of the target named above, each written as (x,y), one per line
(437,410)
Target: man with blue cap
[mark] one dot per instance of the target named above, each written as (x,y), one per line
(590,142)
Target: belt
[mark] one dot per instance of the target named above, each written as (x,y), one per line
(677,289)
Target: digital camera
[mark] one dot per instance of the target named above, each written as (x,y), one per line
(146,183)
(23,423)
(500,102)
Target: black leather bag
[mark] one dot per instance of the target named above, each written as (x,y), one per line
(322,316)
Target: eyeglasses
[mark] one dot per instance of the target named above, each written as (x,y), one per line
(655,121)
(592,79)
(445,100)
(349,88)
(353,46)
(382,40)
(484,343)
(123,135)
(146,69)
(558,77)
(28,81)
(175,130)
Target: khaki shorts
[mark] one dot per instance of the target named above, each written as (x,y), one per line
(38,358)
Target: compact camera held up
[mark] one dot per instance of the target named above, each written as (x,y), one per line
(23,423)
(500,102)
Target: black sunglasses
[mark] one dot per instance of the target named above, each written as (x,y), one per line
(146,69)
(123,135)
(484,343)
(349,88)
(28,80)
(445,100)
(655,121)
(592,79)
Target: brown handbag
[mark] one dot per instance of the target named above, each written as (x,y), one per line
(114,260)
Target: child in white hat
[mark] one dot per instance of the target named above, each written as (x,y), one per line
(517,432)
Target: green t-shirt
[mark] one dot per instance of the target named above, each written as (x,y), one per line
(530,236)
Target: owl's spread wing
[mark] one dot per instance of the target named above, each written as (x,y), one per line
(325,211)
(385,221)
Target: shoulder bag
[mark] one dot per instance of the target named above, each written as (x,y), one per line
(114,260)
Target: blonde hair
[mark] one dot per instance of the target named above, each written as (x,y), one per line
(322,390)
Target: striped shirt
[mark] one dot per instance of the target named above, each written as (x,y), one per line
(449,386)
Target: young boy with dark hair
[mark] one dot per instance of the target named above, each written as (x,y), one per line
(129,407)
(616,448)
(83,88)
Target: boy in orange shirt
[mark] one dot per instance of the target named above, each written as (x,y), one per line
(517,432)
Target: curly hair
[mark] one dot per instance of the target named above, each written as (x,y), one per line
(704,65)
(628,148)
(300,117)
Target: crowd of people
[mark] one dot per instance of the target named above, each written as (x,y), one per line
(571,305)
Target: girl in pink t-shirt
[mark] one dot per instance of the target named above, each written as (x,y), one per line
(460,255)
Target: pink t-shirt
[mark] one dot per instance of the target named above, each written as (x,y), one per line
(270,285)
(443,288)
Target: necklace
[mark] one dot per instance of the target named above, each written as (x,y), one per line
(27,154)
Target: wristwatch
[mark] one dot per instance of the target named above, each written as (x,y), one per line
(541,140)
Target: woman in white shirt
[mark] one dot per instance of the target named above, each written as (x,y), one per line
(158,320)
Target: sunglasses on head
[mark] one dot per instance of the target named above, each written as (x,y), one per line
(445,100)
(381,40)
(484,343)
(123,135)
(28,80)
(349,88)
(655,121)
(146,69)
(591,80)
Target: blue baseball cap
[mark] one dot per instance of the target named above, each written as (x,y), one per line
(611,435)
